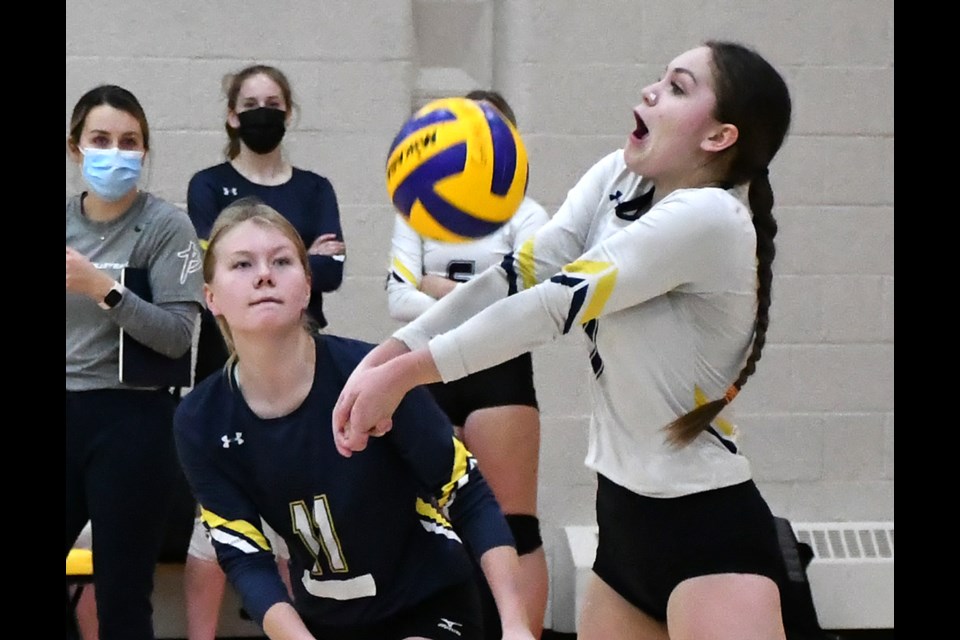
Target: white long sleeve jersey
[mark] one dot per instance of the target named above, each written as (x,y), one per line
(413,256)
(667,302)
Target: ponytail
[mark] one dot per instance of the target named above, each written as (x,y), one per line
(687,427)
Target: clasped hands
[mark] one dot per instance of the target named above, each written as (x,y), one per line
(368,399)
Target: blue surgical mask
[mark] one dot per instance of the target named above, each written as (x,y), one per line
(111,173)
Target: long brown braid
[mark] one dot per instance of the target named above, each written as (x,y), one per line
(753,96)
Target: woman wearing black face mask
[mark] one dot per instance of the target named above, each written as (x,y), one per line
(259,108)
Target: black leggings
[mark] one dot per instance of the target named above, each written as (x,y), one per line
(121,469)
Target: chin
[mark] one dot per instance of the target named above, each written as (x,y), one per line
(633,158)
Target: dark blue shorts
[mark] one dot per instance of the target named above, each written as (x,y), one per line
(451,614)
(647,546)
(509,383)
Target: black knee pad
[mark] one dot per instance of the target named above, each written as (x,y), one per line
(526,533)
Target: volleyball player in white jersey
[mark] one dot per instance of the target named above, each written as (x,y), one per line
(662,254)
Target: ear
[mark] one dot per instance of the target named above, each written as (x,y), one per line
(74,152)
(208,298)
(722,137)
(233,120)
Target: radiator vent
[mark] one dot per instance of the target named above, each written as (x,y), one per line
(847,541)
(851,573)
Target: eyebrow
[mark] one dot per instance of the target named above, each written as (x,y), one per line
(271,251)
(686,72)
(123,134)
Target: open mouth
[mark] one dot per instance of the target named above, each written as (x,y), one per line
(641,129)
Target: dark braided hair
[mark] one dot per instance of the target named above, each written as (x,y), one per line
(752,96)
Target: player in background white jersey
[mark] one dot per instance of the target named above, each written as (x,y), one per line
(495,411)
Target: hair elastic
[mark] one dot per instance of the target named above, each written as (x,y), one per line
(730,394)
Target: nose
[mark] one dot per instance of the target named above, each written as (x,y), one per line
(649,97)
(264,276)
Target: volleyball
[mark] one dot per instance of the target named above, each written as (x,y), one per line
(457,170)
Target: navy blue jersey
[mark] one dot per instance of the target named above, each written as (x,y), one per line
(368,535)
(307,200)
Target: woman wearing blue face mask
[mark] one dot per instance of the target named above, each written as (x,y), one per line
(120,460)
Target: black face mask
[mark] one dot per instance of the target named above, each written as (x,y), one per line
(262,129)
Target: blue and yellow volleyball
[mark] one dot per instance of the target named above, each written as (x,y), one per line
(457,170)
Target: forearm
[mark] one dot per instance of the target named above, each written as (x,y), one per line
(387,350)
(282,622)
(436,286)
(327,272)
(408,369)
(501,568)
(404,301)
(462,303)
(166,328)
(503,331)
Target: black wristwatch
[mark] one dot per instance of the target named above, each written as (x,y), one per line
(113,297)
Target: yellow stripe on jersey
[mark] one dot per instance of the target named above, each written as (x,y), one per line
(429,512)
(525,264)
(601,290)
(240,527)
(726,427)
(204,244)
(405,273)
(458,475)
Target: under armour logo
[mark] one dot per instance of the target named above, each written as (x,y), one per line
(615,196)
(226,440)
(449,625)
(229,191)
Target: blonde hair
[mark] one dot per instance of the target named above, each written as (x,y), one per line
(254,210)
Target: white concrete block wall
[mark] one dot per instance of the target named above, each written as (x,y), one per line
(817,417)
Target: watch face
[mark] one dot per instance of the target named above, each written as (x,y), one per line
(112,298)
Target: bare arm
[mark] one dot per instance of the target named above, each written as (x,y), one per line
(436,286)
(501,568)
(392,370)
(282,622)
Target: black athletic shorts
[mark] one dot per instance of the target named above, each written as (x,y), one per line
(450,614)
(647,546)
(509,383)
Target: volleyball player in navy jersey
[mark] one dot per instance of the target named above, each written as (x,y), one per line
(260,107)
(379,543)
